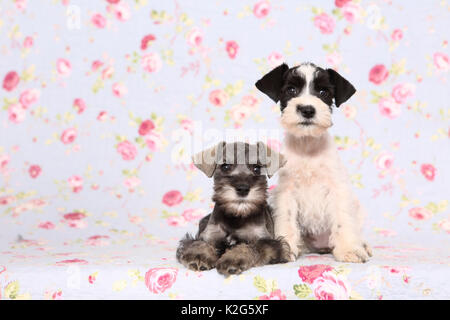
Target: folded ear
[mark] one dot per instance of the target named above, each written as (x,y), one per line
(343,89)
(206,160)
(270,159)
(272,82)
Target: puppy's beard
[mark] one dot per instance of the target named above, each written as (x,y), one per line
(236,205)
(298,126)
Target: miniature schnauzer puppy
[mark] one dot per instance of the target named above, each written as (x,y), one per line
(314,207)
(239,233)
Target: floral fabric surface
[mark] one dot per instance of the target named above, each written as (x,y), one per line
(97,96)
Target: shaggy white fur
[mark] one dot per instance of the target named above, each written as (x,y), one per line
(314,207)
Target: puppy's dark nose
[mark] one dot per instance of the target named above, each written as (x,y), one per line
(306,111)
(242,189)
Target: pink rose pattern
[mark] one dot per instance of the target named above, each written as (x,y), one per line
(11,81)
(87,169)
(309,273)
(159,280)
(172,198)
(261,9)
(378,74)
(330,286)
(127,150)
(325,23)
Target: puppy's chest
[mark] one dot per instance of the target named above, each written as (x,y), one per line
(311,184)
(232,235)
(309,171)
(246,233)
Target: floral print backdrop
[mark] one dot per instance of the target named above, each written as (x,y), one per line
(95,191)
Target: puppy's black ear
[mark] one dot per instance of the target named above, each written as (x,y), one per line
(206,160)
(343,89)
(272,82)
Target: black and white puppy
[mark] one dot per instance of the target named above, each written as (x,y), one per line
(239,233)
(315,209)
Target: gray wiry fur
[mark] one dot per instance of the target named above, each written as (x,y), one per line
(239,233)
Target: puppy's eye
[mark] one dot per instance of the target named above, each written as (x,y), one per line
(256,169)
(292,91)
(225,167)
(323,93)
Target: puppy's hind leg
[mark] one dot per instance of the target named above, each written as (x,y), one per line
(196,255)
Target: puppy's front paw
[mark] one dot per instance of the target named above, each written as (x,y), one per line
(197,262)
(236,260)
(228,266)
(200,256)
(357,254)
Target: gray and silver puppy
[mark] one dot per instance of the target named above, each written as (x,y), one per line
(239,233)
